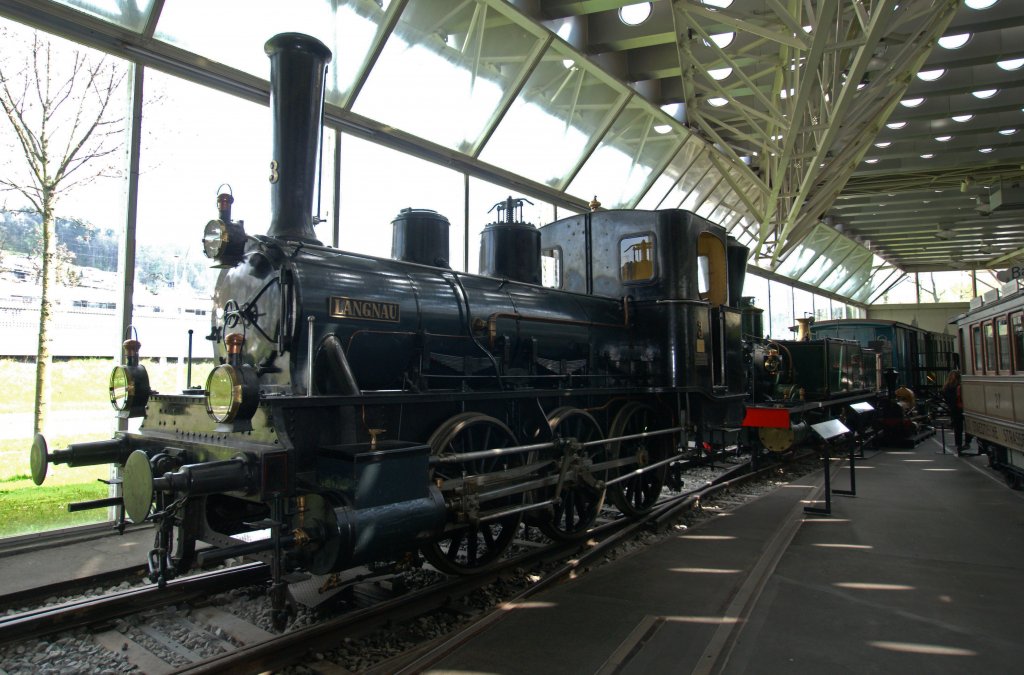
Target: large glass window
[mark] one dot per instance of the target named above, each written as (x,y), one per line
(89,218)
(377,183)
(781,311)
(803,303)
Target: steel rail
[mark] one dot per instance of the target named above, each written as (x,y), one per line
(47,620)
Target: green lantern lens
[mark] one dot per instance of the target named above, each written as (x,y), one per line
(121,388)
(223,394)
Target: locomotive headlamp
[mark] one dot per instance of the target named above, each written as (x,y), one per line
(129,383)
(232,389)
(224,242)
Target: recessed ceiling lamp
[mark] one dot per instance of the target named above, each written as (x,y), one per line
(896,125)
(871,160)
(883,144)
(984,93)
(719,73)
(636,14)
(724,4)
(912,102)
(943,139)
(962,118)
(717,101)
(931,75)
(1010,64)
(981,4)
(927,155)
(723,40)
(1007,132)
(985,150)
(954,41)
(662,128)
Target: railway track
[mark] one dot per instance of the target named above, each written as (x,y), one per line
(204,638)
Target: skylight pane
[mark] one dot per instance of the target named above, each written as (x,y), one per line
(130,15)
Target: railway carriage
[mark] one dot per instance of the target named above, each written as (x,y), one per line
(991,337)
(921,358)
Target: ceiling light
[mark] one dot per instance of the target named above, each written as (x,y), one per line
(981,4)
(723,40)
(896,125)
(723,4)
(1007,132)
(954,41)
(720,73)
(912,102)
(717,101)
(873,160)
(984,93)
(1010,64)
(883,144)
(985,150)
(962,118)
(927,155)
(662,128)
(943,139)
(931,75)
(634,15)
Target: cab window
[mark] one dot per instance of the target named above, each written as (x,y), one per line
(551,267)
(636,258)
(712,284)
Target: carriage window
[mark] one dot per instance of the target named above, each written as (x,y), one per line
(990,347)
(637,258)
(551,267)
(1017,322)
(979,366)
(1003,334)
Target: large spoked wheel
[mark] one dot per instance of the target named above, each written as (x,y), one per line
(580,499)
(472,548)
(637,494)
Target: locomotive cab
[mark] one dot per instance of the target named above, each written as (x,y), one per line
(673,270)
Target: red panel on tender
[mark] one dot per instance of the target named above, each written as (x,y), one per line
(775,418)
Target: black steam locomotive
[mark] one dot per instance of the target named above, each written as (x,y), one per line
(366,408)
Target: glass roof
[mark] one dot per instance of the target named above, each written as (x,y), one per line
(483,80)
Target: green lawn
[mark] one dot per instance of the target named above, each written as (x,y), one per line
(25,508)
(80,392)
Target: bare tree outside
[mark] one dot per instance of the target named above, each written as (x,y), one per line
(59,104)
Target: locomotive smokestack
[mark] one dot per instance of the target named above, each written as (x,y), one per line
(297,68)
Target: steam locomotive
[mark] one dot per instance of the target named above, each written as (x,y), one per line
(366,408)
